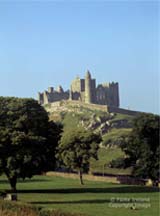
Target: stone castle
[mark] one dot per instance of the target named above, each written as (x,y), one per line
(84,90)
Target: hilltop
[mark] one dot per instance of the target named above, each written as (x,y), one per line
(95,117)
(91,116)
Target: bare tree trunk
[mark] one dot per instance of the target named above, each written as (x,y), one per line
(81,178)
(13,182)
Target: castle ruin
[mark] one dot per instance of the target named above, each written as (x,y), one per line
(84,90)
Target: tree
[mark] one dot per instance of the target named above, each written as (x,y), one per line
(27,139)
(76,147)
(142,146)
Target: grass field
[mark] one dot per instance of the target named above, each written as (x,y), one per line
(92,199)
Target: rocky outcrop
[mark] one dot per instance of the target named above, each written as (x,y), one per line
(92,117)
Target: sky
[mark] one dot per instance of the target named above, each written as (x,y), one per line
(49,43)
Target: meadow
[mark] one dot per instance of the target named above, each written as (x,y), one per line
(91,199)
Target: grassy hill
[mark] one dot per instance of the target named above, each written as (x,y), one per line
(105,156)
(91,116)
(112,126)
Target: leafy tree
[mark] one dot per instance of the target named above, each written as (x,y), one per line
(142,146)
(77,147)
(27,139)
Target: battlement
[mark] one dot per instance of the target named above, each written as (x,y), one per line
(84,90)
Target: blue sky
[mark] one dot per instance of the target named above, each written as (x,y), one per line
(48,43)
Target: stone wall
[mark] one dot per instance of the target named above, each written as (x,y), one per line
(49,97)
(111,109)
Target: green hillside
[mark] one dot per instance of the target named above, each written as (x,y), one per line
(92,117)
(105,156)
(114,136)
(112,126)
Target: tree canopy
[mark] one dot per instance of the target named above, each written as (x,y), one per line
(27,139)
(142,146)
(77,147)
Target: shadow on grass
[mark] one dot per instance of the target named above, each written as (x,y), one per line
(124,189)
(5,181)
(96,201)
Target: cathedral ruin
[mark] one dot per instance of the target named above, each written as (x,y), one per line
(84,90)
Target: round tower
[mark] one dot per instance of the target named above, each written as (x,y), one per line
(70,93)
(88,93)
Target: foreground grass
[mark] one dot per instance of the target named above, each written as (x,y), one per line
(92,199)
(21,209)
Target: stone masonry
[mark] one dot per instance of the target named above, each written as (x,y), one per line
(84,90)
